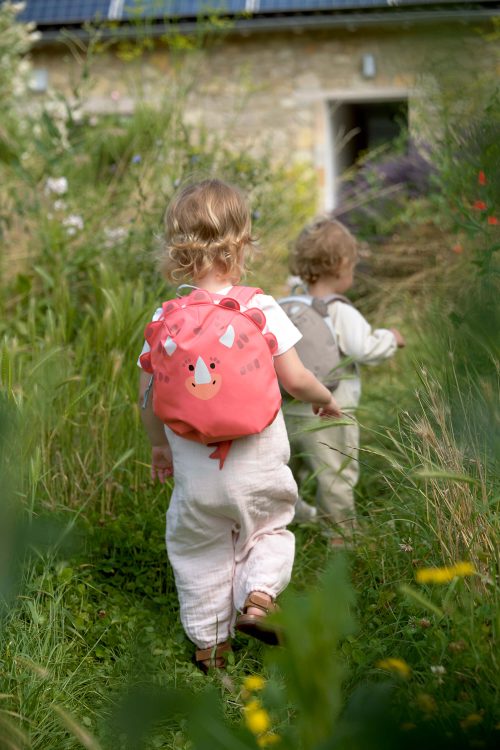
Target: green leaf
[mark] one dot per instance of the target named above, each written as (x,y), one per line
(420,599)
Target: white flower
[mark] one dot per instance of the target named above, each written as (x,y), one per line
(405,546)
(60,205)
(18,7)
(438,669)
(73,223)
(114,236)
(57,185)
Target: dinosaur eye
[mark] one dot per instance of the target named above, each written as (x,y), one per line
(212,365)
(191,367)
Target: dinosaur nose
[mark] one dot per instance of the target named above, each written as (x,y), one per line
(201,373)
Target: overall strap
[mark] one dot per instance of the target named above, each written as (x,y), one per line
(243,294)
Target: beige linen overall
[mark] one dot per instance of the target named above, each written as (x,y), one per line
(331,454)
(226,532)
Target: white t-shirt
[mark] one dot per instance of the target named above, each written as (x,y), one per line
(357,339)
(277,321)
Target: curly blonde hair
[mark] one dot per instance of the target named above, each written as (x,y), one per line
(321,249)
(207,225)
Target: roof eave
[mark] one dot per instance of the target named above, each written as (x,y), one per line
(259,24)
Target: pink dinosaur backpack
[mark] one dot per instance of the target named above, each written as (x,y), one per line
(214,377)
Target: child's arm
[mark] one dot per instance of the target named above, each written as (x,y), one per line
(301,384)
(161,455)
(359,341)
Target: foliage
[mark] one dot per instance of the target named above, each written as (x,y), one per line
(92,653)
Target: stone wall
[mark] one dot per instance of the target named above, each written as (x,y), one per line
(275,91)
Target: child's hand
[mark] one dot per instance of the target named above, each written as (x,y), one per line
(399,338)
(161,463)
(327,412)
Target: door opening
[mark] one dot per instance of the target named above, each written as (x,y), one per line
(358,127)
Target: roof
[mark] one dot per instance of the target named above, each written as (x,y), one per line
(247,13)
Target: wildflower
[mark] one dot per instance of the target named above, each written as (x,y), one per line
(405,546)
(481,178)
(438,671)
(136,159)
(115,95)
(257,718)
(73,223)
(492,220)
(114,235)
(426,703)
(479,205)
(444,575)
(471,720)
(60,205)
(253,682)
(424,623)
(270,738)
(57,185)
(398,666)
(458,249)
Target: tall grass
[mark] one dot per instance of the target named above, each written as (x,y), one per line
(91,650)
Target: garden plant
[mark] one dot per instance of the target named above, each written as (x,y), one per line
(389,645)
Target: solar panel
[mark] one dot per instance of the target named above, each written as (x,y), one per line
(45,12)
(290,6)
(179,8)
(61,12)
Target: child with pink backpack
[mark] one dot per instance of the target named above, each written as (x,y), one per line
(211,408)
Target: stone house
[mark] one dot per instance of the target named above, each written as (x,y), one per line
(317,81)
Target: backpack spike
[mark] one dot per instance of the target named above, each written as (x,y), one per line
(199,296)
(257,316)
(169,306)
(272,342)
(230,303)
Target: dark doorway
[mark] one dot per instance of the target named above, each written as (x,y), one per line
(361,126)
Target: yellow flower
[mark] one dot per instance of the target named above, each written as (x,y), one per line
(444,575)
(471,720)
(395,665)
(426,703)
(254,682)
(256,718)
(268,739)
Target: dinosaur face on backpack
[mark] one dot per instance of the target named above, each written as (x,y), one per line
(204,381)
(213,367)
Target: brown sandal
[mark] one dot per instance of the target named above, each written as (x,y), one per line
(213,657)
(256,625)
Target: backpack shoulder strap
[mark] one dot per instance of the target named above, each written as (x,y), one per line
(243,293)
(336,298)
(320,304)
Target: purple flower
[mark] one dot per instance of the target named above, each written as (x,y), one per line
(136,159)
